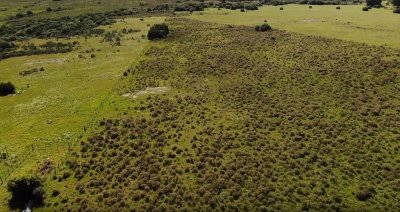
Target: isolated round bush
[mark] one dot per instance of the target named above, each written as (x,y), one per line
(158,31)
(6,88)
(397,10)
(338,8)
(365,9)
(310,7)
(264,27)
(281,8)
(25,190)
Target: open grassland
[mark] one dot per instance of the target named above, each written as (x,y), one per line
(377,26)
(56,106)
(226,118)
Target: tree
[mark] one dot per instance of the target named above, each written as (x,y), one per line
(396,3)
(6,89)
(372,3)
(24,191)
(158,31)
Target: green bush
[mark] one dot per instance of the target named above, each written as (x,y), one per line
(397,10)
(365,9)
(263,28)
(6,88)
(158,31)
(25,190)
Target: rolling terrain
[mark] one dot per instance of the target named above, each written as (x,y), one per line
(216,116)
(255,121)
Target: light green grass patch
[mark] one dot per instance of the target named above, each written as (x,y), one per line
(377,26)
(54,105)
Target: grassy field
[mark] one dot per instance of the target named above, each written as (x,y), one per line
(274,121)
(377,26)
(215,117)
(55,105)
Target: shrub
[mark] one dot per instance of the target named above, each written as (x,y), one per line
(158,31)
(6,89)
(264,27)
(365,9)
(365,194)
(281,8)
(25,190)
(338,8)
(310,7)
(397,10)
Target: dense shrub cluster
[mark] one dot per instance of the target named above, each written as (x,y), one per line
(319,2)
(59,27)
(49,47)
(397,10)
(191,7)
(158,31)
(6,88)
(30,71)
(374,3)
(237,5)
(121,12)
(4,46)
(247,130)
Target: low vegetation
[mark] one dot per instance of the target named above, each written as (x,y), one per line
(209,117)
(252,122)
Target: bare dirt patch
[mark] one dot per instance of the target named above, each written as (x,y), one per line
(53,60)
(149,90)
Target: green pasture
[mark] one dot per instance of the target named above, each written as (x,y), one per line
(60,103)
(376,27)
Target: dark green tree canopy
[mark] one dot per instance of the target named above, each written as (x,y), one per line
(396,3)
(374,2)
(158,31)
(25,190)
(6,88)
